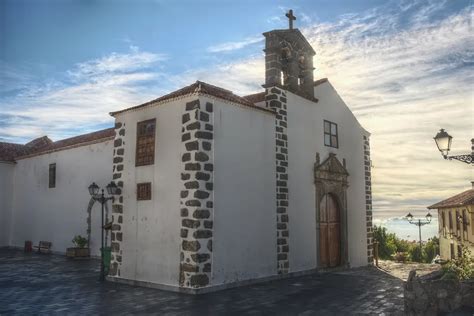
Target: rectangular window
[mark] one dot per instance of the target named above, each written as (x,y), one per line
(145,154)
(143,191)
(330,134)
(52,175)
(458,220)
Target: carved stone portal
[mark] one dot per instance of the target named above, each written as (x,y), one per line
(330,178)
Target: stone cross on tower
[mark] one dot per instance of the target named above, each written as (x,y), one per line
(291,18)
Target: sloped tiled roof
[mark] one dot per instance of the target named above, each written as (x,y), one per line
(8,151)
(464,198)
(199,87)
(256,97)
(43,145)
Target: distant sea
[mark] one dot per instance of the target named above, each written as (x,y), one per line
(404,230)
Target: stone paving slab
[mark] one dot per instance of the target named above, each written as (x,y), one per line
(52,284)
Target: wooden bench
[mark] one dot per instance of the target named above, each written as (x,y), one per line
(44,246)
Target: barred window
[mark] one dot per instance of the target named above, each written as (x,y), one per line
(330,134)
(144,191)
(145,154)
(52,175)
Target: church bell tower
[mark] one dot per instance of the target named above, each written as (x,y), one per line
(289,60)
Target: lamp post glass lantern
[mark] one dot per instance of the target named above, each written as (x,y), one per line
(419,222)
(443,142)
(112,190)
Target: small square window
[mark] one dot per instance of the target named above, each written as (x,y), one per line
(330,134)
(144,191)
(52,175)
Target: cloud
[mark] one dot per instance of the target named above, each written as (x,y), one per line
(405,69)
(231,46)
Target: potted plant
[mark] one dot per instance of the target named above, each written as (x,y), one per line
(80,249)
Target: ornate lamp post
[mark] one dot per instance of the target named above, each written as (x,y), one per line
(443,141)
(112,190)
(419,222)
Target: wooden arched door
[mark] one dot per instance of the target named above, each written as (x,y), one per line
(330,232)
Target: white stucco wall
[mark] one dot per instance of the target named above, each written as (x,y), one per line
(57,214)
(305,139)
(151,229)
(7,171)
(244,238)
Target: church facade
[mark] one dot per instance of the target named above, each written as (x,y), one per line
(218,190)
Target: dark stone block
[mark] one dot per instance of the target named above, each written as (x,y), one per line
(202,234)
(204,117)
(281,183)
(186,267)
(209,107)
(209,127)
(120,219)
(184,194)
(200,257)
(208,224)
(117,209)
(116,176)
(284,233)
(281,226)
(191,245)
(119,167)
(191,185)
(118,142)
(116,227)
(186,157)
(202,176)
(118,159)
(185,137)
(283,150)
(192,166)
(190,223)
(200,156)
(119,258)
(203,135)
(201,214)
(275,90)
(113,268)
(282,256)
(283,177)
(282,123)
(279,129)
(206,146)
(209,245)
(199,280)
(193,203)
(184,233)
(115,247)
(185,176)
(186,117)
(275,104)
(192,105)
(193,126)
(283,99)
(280,157)
(122,132)
(201,194)
(280,169)
(192,146)
(281,210)
(118,236)
(118,125)
(209,167)
(209,186)
(280,196)
(281,241)
(283,203)
(207,267)
(209,204)
(120,151)
(283,163)
(284,218)
(271,97)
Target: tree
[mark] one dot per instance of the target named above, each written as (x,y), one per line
(431,249)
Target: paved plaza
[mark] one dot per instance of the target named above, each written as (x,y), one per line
(51,284)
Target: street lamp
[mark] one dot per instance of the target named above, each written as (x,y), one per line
(419,222)
(443,142)
(112,190)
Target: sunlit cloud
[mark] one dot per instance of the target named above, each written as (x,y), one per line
(404,69)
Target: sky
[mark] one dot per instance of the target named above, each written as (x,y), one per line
(405,68)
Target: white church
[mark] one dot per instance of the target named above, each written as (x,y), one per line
(216,190)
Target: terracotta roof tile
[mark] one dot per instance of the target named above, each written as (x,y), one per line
(72,142)
(8,151)
(464,198)
(201,88)
(256,97)
(320,81)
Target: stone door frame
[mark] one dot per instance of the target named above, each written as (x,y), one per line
(330,177)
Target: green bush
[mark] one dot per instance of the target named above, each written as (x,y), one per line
(461,268)
(79,241)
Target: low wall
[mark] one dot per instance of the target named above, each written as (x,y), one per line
(429,295)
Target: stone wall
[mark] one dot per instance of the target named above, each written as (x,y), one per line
(197,195)
(429,295)
(117,204)
(276,100)
(368,200)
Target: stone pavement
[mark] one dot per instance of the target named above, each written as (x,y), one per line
(52,284)
(402,270)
